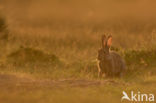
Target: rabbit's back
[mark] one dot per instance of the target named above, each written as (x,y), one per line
(117,62)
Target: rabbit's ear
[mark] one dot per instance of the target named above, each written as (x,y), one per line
(103,41)
(109,41)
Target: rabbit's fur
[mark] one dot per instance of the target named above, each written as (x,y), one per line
(109,62)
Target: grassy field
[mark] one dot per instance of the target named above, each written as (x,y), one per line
(48,50)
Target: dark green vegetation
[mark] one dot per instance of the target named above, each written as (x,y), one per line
(28,56)
(3,29)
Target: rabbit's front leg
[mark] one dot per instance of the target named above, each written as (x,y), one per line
(99,69)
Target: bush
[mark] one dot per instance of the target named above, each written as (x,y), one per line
(140,57)
(30,56)
(3,29)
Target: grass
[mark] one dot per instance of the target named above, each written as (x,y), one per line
(49,57)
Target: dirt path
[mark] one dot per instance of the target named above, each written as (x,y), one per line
(15,80)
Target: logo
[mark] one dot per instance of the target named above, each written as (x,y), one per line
(140,97)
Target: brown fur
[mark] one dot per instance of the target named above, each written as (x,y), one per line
(109,63)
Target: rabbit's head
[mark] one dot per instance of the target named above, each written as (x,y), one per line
(106,43)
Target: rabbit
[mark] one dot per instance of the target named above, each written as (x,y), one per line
(109,62)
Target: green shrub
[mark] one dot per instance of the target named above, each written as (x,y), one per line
(3,29)
(30,56)
(140,57)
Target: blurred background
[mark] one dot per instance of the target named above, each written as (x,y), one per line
(63,25)
(132,19)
